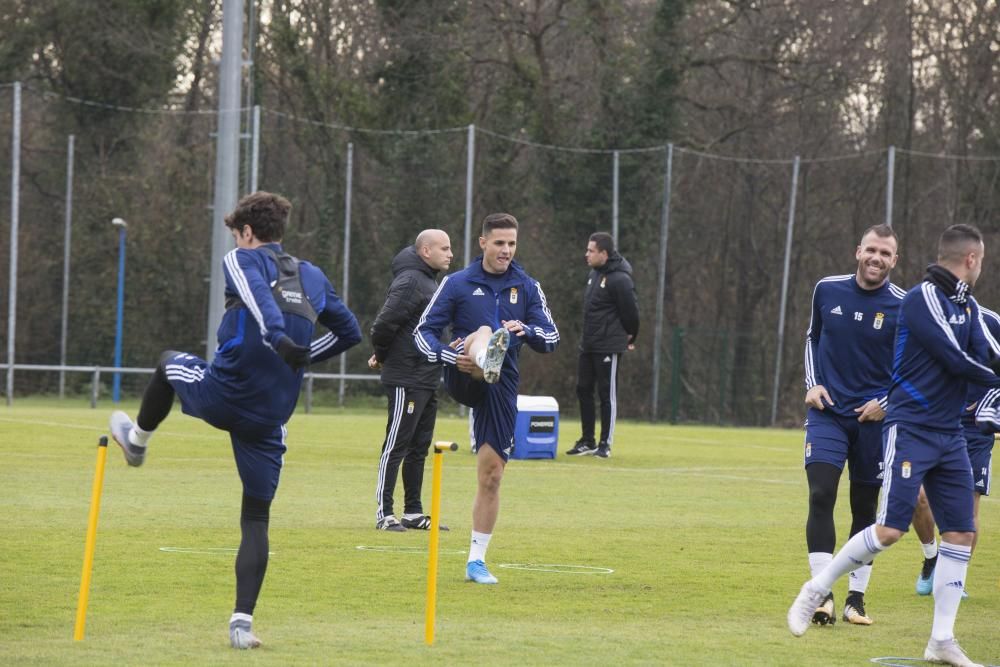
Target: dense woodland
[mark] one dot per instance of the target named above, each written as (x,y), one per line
(738,87)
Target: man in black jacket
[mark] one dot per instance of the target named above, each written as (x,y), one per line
(408,379)
(610,325)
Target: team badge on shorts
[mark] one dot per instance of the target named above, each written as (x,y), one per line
(879,318)
(906,469)
(513,295)
(409,408)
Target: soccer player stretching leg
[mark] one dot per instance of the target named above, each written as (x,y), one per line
(493,308)
(251,387)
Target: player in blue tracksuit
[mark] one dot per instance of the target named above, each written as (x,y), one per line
(250,389)
(940,349)
(492,298)
(979,424)
(848,363)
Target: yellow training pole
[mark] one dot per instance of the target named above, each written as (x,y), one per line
(88,549)
(432,559)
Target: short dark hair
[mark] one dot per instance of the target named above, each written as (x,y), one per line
(498,221)
(883,231)
(954,242)
(265,212)
(604,242)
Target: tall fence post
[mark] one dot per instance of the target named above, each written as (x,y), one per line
(15,206)
(470,165)
(255,148)
(347,257)
(67,236)
(615,163)
(890,184)
(661,284)
(784,290)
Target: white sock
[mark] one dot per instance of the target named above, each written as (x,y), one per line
(949,582)
(860,549)
(481,358)
(817,561)
(858,579)
(477,549)
(930,550)
(413,516)
(138,437)
(240,616)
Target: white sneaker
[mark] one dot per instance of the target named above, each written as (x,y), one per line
(240,634)
(121,426)
(947,652)
(496,350)
(801,612)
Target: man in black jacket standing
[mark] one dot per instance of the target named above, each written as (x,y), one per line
(610,325)
(409,380)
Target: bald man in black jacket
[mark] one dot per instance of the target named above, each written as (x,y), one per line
(409,380)
(610,325)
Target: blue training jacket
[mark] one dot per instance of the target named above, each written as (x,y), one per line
(850,340)
(466,301)
(940,349)
(255,380)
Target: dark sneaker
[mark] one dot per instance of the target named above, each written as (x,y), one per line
(121,426)
(603,451)
(582,448)
(925,581)
(824,614)
(390,523)
(854,609)
(241,634)
(422,522)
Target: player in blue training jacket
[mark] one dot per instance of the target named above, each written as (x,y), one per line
(250,389)
(848,372)
(493,307)
(979,424)
(940,349)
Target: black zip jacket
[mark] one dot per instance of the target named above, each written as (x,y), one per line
(610,309)
(413,285)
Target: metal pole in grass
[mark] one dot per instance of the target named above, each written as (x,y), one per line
(88,549)
(117,387)
(432,558)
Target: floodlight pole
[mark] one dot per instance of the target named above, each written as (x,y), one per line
(122,226)
(227,161)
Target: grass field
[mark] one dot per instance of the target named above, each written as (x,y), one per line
(702,527)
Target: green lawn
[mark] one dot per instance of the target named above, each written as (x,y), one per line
(702,527)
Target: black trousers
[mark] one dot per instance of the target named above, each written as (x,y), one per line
(601,370)
(408,434)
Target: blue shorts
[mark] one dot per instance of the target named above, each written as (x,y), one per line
(494,407)
(939,461)
(981,458)
(833,439)
(259,449)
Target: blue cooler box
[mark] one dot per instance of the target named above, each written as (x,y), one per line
(536,431)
